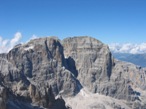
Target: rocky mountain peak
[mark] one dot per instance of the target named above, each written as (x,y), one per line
(92,58)
(46,71)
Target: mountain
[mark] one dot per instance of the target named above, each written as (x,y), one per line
(137,59)
(75,73)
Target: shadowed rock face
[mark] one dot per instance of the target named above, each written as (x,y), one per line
(3,97)
(33,74)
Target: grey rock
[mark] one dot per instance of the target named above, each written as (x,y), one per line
(100,72)
(3,97)
(43,60)
(92,58)
(2,104)
(99,106)
(28,69)
(3,55)
(33,74)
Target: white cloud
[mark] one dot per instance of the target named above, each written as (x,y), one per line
(7,44)
(128,48)
(16,39)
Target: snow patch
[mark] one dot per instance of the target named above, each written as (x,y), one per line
(61,91)
(84,93)
(58,96)
(29,48)
(66,57)
(63,68)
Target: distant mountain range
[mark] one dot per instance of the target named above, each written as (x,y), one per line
(138,59)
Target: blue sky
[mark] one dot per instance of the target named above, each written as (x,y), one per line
(111,21)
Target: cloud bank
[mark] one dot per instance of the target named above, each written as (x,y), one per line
(128,48)
(7,44)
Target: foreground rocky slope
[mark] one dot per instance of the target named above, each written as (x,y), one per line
(80,70)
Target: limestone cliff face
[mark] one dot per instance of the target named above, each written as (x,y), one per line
(28,69)
(100,73)
(92,58)
(33,74)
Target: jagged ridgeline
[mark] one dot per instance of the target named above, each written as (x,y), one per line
(73,73)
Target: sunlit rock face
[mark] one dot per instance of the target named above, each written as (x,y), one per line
(92,58)
(100,73)
(80,70)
